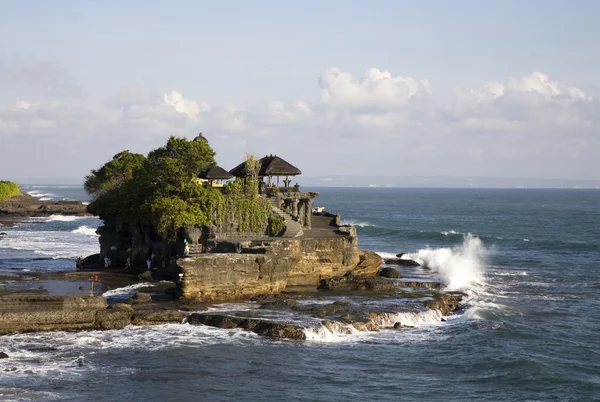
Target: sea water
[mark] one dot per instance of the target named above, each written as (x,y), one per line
(529,261)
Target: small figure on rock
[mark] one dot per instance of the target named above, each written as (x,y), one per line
(149,263)
(128,263)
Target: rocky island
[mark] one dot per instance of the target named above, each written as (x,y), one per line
(15,203)
(168,217)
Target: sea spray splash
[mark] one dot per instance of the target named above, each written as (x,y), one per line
(460,267)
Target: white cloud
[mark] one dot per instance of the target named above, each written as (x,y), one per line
(23,104)
(376,90)
(391,123)
(185,106)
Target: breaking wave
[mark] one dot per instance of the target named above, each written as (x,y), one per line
(340,332)
(129,291)
(65,218)
(460,267)
(358,223)
(41,195)
(86,230)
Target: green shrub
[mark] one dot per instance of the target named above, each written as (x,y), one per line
(276,225)
(8,189)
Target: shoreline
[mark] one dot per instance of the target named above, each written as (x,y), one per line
(339,311)
(25,205)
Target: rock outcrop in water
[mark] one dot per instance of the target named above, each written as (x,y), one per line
(335,318)
(30,313)
(25,205)
(220,267)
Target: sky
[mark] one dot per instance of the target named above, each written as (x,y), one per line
(378,88)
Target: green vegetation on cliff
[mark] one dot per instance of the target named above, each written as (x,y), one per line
(8,189)
(161,191)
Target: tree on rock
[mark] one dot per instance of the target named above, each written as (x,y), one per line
(113,174)
(158,190)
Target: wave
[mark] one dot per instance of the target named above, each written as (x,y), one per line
(88,231)
(55,355)
(340,332)
(55,244)
(460,267)
(41,195)
(353,222)
(65,218)
(131,290)
(450,232)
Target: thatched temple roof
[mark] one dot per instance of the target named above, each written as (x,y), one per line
(269,166)
(200,138)
(214,172)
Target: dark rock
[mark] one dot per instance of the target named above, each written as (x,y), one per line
(112,319)
(356,283)
(3,355)
(146,276)
(445,302)
(271,329)
(398,325)
(401,261)
(140,298)
(325,310)
(399,255)
(159,316)
(3,234)
(93,261)
(418,284)
(389,273)
(278,304)
(120,306)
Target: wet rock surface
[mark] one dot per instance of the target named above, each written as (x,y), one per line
(350,282)
(272,329)
(344,305)
(388,272)
(401,261)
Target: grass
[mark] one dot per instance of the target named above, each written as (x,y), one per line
(8,189)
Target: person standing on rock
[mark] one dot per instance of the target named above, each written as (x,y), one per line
(186,248)
(128,263)
(149,263)
(106,260)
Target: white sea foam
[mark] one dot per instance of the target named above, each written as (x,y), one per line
(66,354)
(65,218)
(450,232)
(55,244)
(40,194)
(340,332)
(460,267)
(353,222)
(88,231)
(386,255)
(128,291)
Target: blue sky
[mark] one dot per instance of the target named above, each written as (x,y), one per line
(451,83)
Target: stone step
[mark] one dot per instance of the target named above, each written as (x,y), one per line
(292,227)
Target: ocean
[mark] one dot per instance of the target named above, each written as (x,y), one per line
(528,259)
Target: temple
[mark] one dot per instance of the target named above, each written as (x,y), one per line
(295,246)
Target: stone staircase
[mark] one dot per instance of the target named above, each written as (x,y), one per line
(293,228)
